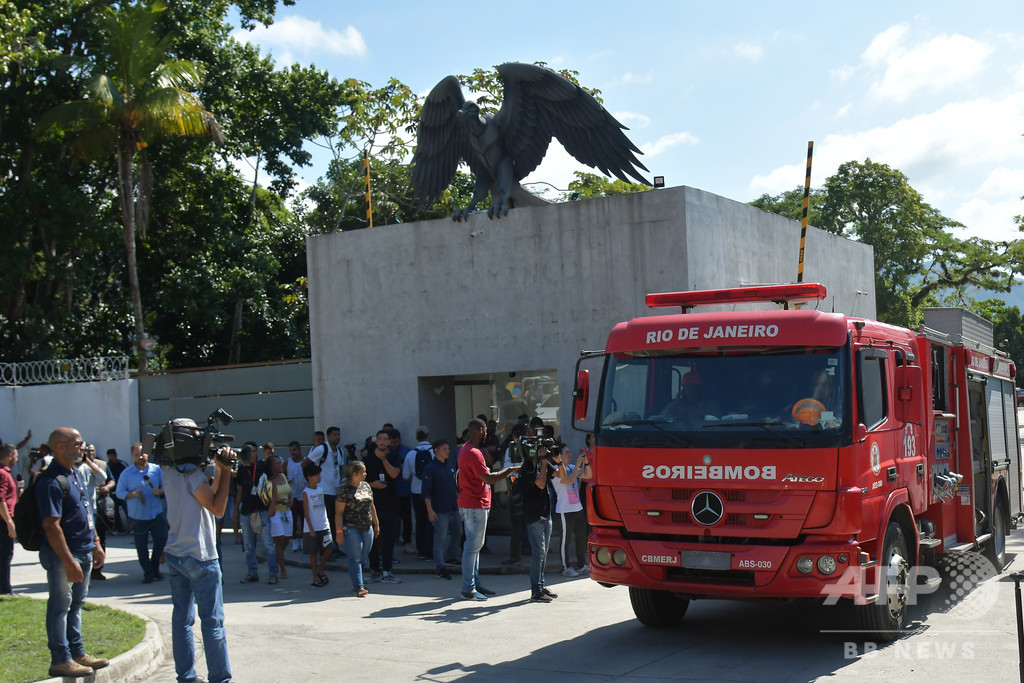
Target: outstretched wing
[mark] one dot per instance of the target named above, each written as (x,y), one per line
(441,142)
(539,104)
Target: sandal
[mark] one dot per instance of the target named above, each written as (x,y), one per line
(325,579)
(318,583)
(361,593)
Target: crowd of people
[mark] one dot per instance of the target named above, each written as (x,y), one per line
(431,500)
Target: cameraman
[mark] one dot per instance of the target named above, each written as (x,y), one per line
(537,491)
(191,554)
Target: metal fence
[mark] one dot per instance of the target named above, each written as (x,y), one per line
(64,370)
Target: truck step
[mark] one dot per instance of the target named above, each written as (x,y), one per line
(960,548)
(984,538)
(930,542)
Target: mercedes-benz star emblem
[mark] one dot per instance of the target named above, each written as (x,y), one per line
(707,508)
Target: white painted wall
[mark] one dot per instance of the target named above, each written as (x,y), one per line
(395,303)
(106,413)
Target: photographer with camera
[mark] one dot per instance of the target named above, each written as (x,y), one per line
(191,552)
(542,458)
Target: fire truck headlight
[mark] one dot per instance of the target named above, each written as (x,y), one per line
(603,556)
(619,557)
(826,564)
(805,565)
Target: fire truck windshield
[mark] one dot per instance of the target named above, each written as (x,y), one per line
(740,398)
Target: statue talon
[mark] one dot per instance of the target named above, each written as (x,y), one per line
(501,149)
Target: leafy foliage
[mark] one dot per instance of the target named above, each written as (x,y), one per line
(918,255)
(589,185)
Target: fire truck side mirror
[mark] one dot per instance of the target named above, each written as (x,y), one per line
(581,396)
(909,402)
(860,433)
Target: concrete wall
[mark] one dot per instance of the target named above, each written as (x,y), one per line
(397,303)
(106,413)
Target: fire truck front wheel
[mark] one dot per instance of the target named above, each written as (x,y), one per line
(884,618)
(658,609)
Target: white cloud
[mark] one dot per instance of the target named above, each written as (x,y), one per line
(751,51)
(631,79)
(844,110)
(843,73)
(886,45)
(653,149)
(625,117)
(931,66)
(295,34)
(943,151)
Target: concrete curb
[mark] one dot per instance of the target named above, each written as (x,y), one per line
(136,664)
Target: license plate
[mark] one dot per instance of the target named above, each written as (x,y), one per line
(702,559)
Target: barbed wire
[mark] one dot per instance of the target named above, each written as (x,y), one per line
(63,370)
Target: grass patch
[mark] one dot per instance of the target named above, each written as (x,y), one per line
(23,652)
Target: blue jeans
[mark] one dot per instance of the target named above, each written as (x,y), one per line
(447,532)
(249,539)
(64,605)
(197,583)
(357,550)
(141,529)
(539,533)
(474,521)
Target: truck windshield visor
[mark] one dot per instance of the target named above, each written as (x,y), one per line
(793,397)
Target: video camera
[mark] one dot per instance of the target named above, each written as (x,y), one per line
(183,442)
(524,449)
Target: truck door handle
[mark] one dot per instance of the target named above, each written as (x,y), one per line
(892,474)
(920,471)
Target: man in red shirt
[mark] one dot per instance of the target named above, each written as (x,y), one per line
(8,498)
(474,483)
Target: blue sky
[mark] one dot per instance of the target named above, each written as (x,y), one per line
(724,96)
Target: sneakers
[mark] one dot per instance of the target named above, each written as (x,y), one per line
(319,583)
(70,669)
(485,591)
(92,662)
(585,569)
(548,593)
(272,580)
(443,574)
(540,597)
(569,571)
(324,579)
(374,577)
(249,578)
(388,577)
(475,595)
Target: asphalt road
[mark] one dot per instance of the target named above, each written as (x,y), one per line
(420,630)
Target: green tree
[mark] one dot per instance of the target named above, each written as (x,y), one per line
(138,95)
(917,252)
(791,204)
(589,185)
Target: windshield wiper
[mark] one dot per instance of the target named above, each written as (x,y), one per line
(657,424)
(767,426)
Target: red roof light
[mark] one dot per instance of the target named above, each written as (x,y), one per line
(780,294)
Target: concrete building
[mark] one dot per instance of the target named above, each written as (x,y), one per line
(432,322)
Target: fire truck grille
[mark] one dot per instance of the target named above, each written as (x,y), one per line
(731,577)
(729,495)
(732,520)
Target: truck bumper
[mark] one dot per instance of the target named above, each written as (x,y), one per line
(735,571)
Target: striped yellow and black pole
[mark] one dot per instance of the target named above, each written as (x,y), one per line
(803,219)
(369,207)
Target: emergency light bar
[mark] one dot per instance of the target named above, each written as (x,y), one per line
(780,294)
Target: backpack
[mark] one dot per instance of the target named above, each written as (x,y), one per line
(28,525)
(423,458)
(266,490)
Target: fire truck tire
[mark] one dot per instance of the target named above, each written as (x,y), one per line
(657,609)
(995,549)
(883,619)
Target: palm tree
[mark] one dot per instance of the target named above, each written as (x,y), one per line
(138,94)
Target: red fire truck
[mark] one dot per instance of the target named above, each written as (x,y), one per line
(795,453)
